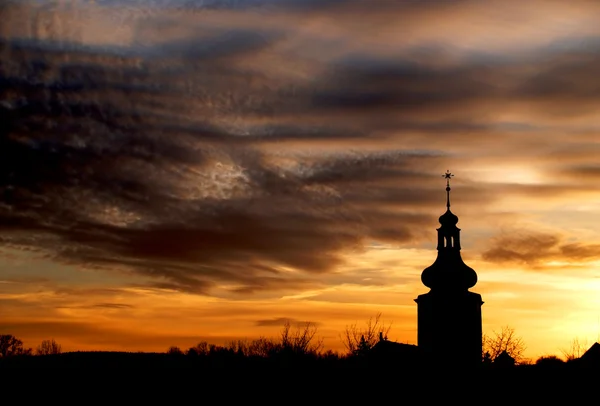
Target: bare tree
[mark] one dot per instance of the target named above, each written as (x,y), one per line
(11,345)
(302,340)
(358,340)
(504,341)
(202,348)
(262,347)
(48,347)
(575,350)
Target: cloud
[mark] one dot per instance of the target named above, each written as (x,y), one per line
(536,249)
(281,321)
(233,157)
(189,217)
(117,306)
(588,172)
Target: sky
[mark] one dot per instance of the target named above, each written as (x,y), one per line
(180,171)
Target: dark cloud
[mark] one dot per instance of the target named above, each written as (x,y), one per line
(567,78)
(67,175)
(408,95)
(25,280)
(67,292)
(590,172)
(536,248)
(177,160)
(364,85)
(215,48)
(281,321)
(117,306)
(112,306)
(280,5)
(580,251)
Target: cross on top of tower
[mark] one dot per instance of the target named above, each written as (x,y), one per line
(447,176)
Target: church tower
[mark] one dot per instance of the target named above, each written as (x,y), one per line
(449,315)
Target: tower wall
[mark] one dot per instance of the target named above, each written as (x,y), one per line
(449,326)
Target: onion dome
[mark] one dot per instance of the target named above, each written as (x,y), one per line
(448,219)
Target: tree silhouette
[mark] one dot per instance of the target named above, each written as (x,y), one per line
(260,347)
(192,352)
(48,347)
(504,341)
(199,349)
(301,341)
(174,350)
(10,346)
(575,350)
(359,340)
(549,361)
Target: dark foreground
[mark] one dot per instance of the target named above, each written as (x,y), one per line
(112,377)
(365,367)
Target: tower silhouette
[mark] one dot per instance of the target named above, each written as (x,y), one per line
(449,315)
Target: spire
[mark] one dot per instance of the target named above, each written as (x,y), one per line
(447,176)
(448,219)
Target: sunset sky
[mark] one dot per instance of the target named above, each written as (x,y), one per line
(178,171)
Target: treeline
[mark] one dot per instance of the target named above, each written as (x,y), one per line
(12,346)
(300,339)
(295,345)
